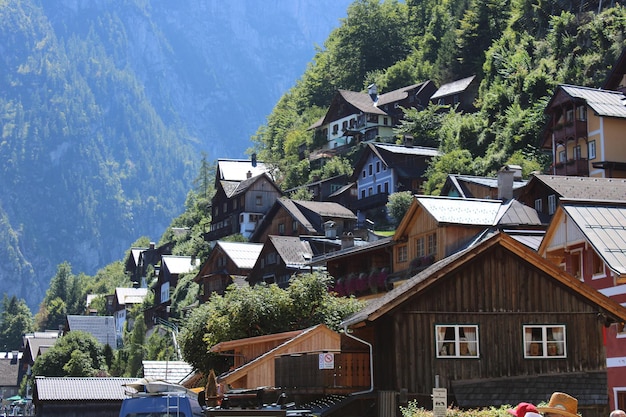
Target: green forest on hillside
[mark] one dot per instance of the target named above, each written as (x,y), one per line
(520,49)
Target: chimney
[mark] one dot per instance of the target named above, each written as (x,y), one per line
(347,240)
(372,90)
(505,183)
(330,229)
(193,260)
(408,141)
(253,159)
(249,174)
(152,245)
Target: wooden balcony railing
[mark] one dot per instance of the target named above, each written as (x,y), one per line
(302,373)
(573,167)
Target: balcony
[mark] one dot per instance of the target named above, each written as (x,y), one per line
(570,130)
(376,200)
(573,167)
(301,373)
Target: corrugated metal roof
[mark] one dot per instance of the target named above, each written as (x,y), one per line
(453,87)
(170,371)
(179,264)
(461,211)
(491,182)
(130,295)
(244,255)
(603,102)
(81,389)
(100,327)
(604,226)
(408,150)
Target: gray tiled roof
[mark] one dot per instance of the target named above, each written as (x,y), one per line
(361,101)
(453,87)
(294,252)
(589,388)
(9,367)
(100,327)
(515,213)
(326,208)
(80,389)
(130,295)
(603,102)
(604,226)
(589,188)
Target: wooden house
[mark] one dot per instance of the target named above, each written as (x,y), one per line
(321,189)
(33,345)
(255,356)
(140,258)
(584,132)
(587,239)
(460,94)
(494,324)
(281,257)
(436,227)
(353,117)
(9,373)
(383,169)
(299,217)
(470,186)
(229,263)
(544,192)
(172,267)
(244,192)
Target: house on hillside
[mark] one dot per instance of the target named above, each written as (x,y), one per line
(229,263)
(469,186)
(171,269)
(584,132)
(353,117)
(9,373)
(460,94)
(543,192)
(436,227)
(33,345)
(321,189)
(494,324)
(139,259)
(587,238)
(383,169)
(123,299)
(244,192)
(299,217)
(102,328)
(281,258)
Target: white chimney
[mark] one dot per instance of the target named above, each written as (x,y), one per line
(372,90)
(505,183)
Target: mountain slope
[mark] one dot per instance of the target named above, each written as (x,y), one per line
(105,106)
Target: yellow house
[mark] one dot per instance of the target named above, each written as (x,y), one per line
(585,132)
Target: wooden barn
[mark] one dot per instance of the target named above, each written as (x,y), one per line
(493,324)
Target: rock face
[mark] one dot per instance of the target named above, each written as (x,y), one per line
(105,106)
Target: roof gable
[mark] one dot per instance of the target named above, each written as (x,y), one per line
(294,252)
(179,264)
(237,169)
(439,270)
(243,255)
(453,87)
(603,102)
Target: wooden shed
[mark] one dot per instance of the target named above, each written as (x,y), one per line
(493,315)
(259,369)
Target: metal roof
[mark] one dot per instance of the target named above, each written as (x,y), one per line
(294,252)
(408,150)
(80,389)
(585,187)
(130,295)
(604,226)
(237,169)
(603,102)
(461,211)
(170,371)
(453,87)
(244,255)
(100,327)
(179,264)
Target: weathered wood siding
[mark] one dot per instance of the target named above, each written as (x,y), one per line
(491,292)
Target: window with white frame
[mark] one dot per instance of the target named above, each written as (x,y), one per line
(597,265)
(581,113)
(457,341)
(432,244)
(591,149)
(419,246)
(551,204)
(538,205)
(544,341)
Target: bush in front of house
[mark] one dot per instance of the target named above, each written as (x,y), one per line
(413,409)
